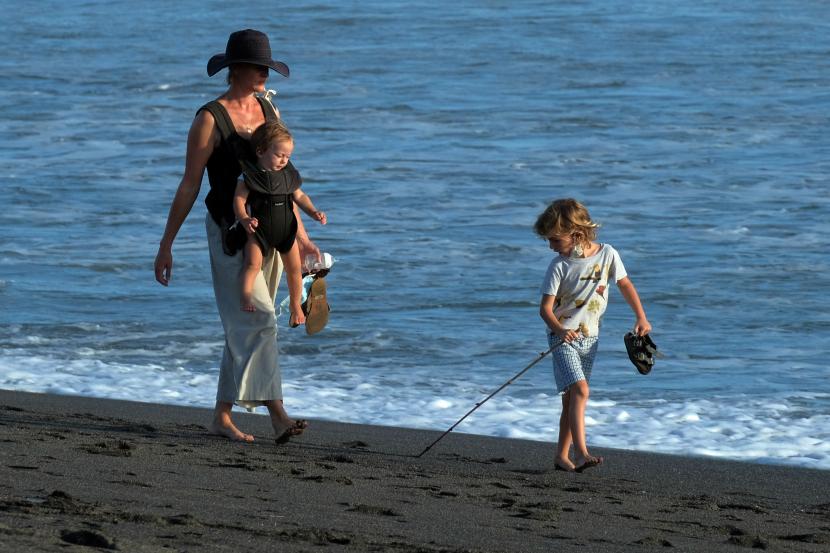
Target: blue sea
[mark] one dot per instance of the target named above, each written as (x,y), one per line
(433,134)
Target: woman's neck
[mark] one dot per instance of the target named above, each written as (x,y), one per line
(239,96)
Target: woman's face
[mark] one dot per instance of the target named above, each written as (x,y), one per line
(248,75)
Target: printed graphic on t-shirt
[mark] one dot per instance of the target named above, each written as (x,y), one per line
(580,286)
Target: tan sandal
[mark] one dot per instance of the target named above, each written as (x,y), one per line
(316,307)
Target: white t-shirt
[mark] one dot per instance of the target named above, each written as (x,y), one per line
(580,285)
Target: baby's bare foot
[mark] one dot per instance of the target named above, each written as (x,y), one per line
(249,307)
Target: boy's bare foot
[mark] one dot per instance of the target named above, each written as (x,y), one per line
(228,430)
(587,463)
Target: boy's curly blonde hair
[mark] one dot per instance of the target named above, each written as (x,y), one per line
(566,217)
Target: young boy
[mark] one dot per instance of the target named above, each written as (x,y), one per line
(270,190)
(574,297)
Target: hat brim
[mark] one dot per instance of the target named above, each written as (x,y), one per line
(221,61)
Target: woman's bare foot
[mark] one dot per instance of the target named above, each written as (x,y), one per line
(226,429)
(284,430)
(563,464)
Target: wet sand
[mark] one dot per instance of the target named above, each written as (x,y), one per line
(77,473)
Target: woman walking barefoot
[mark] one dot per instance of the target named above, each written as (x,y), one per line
(249,374)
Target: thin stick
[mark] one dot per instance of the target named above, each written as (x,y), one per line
(482,402)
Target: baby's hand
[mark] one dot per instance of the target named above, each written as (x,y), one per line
(249,224)
(320,216)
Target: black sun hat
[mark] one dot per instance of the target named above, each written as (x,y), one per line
(248,46)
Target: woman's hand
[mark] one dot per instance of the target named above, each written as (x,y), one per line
(164,265)
(320,216)
(307,247)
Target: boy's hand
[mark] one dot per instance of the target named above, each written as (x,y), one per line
(567,335)
(249,224)
(642,327)
(320,216)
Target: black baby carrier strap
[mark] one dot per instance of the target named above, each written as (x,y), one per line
(233,235)
(239,145)
(227,131)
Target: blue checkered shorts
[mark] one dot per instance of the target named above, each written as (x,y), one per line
(573,361)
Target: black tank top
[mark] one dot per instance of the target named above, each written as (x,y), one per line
(223,166)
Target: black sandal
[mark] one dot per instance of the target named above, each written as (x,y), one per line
(641,350)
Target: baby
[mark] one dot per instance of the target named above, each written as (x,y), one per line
(264,206)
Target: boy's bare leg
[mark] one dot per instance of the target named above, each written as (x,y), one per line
(293,275)
(252,267)
(222,424)
(579,393)
(563,446)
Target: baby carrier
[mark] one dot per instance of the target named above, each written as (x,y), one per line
(270,201)
(220,199)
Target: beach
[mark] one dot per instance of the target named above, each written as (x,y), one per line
(432,139)
(78,473)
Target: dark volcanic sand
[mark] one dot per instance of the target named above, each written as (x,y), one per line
(80,473)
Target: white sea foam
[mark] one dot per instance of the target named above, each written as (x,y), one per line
(768,430)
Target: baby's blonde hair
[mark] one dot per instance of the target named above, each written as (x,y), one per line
(273,130)
(566,217)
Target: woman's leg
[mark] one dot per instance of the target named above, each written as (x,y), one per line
(250,270)
(222,424)
(293,271)
(249,371)
(284,426)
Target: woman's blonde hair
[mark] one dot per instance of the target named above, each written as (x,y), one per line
(273,130)
(566,217)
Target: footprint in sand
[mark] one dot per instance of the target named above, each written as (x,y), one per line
(87,538)
(373,510)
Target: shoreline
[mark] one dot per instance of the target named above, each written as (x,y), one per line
(142,477)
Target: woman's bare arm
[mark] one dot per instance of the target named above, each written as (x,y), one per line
(201,140)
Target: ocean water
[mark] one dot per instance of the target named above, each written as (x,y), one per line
(433,134)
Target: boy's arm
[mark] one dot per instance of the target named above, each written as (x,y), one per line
(302,200)
(642,326)
(546,312)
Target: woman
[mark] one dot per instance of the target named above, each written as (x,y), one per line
(249,374)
